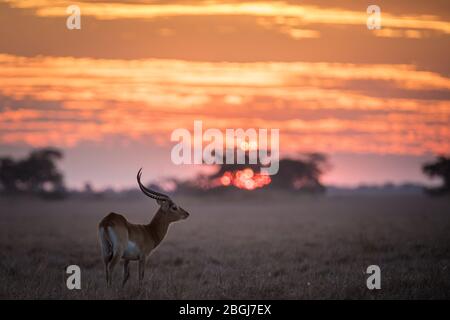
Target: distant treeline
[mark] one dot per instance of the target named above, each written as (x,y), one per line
(37,174)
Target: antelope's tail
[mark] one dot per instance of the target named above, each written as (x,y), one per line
(105,243)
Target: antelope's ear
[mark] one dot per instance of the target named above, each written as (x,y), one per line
(164,203)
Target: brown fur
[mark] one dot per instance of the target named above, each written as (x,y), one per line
(145,238)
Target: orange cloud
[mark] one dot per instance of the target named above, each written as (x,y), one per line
(286,17)
(314,105)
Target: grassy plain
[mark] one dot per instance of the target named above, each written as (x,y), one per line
(260,247)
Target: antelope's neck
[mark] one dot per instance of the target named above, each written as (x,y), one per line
(158,227)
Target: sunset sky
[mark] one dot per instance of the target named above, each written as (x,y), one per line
(109,95)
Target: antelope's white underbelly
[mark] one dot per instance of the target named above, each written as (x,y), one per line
(132,251)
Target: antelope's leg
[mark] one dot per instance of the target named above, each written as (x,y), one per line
(106,249)
(126,272)
(115,259)
(107,273)
(141,269)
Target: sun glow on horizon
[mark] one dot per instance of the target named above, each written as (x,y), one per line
(245,179)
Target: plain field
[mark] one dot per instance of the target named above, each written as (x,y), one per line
(259,247)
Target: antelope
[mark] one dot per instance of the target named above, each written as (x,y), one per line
(120,239)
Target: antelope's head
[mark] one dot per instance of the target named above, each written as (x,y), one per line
(172,211)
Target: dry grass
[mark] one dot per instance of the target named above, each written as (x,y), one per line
(281,248)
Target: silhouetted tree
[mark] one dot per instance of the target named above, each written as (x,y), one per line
(439,168)
(35,174)
(88,188)
(301,174)
(8,174)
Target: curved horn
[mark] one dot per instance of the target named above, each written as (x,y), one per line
(148,192)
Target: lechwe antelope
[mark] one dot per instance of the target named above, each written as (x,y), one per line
(120,239)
